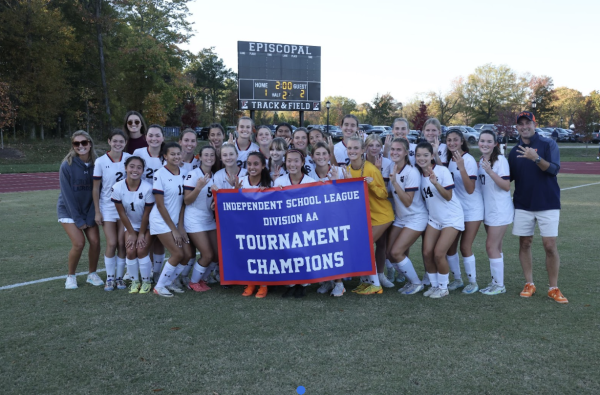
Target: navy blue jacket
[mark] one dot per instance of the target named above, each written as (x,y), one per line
(75,200)
(536,190)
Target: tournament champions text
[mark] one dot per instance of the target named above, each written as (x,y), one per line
(295,235)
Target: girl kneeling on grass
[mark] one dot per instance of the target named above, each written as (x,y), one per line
(166,220)
(199,218)
(108,170)
(446,219)
(494,179)
(133,200)
(75,206)
(382,213)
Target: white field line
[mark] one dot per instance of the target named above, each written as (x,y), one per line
(43,280)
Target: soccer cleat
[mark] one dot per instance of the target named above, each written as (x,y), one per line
(404,288)
(184,281)
(249,290)
(400,278)
(455,284)
(162,291)
(390,273)
(326,287)
(338,290)
(110,285)
(288,292)
(385,282)
(528,290)
(412,289)
(299,292)
(555,294)
(439,293)
(487,287)
(134,287)
(71,282)
(175,288)
(494,290)
(360,287)
(371,290)
(430,291)
(145,288)
(94,279)
(262,291)
(199,286)
(471,288)
(120,284)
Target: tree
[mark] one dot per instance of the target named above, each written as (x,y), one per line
(189,119)
(382,110)
(8,111)
(542,91)
(420,117)
(444,106)
(587,119)
(567,103)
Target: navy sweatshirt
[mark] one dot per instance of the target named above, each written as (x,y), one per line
(536,190)
(75,199)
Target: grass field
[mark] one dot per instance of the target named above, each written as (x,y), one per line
(89,341)
(43,156)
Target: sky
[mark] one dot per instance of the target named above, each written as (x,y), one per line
(410,48)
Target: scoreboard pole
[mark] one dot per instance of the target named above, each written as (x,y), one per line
(252,114)
(301,118)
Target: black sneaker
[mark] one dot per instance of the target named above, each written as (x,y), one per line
(300,292)
(289,292)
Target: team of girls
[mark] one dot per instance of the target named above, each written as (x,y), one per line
(412,194)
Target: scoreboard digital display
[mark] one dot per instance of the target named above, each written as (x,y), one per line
(279,77)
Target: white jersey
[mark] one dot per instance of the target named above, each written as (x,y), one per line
(441,211)
(109,172)
(409,180)
(498,206)
(199,211)
(472,203)
(245,181)
(134,201)
(442,152)
(243,154)
(171,187)
(284,181)
(340,174)
(309,164)
(152,163)
(341,154)
(386,169)
(194,163)
(221,178)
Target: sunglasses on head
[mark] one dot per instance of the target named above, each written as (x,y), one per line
(132,122)
(83,143)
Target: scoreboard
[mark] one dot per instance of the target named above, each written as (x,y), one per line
(279,77)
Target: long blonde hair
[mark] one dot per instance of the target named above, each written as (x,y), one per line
(93,155)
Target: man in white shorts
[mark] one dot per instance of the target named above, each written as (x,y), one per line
(534,164)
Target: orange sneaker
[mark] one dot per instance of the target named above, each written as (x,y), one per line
(528,290)
(262,291)
(555,294)
(249,290)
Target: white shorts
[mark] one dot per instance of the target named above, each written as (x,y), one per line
(160,228)
(196,227)
(109,212)
(497,220)
(473,214)
(66,221)
(416,223)
(547,222)
(439,226)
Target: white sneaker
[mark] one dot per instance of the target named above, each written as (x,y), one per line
(413,289)
(175,287)
(161,291)
(439,293)
(430,291)
(455,284)
(404,288)
(326,287)
(184,282)
(385,282)
(71,282)
(338,290)
(390,273)
(94,279)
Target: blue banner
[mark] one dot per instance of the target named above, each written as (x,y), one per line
(295,235)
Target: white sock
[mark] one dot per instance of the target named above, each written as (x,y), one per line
(433,279)
(497,270)
(454,263)
(426,280)
(120,268)
(158,262)
(443,280)
(178,269)
(166,277)
(132,268)
(209,270)
(145,268)
(197,273)
(406,267)
(374,279)
(470,269)
(188,267)
(388,264)
(111,267)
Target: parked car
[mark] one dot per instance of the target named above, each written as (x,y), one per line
(543,133)
(365,127)
(472,136)
(202,132)
(376,129)
(334,131)
(596,137)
